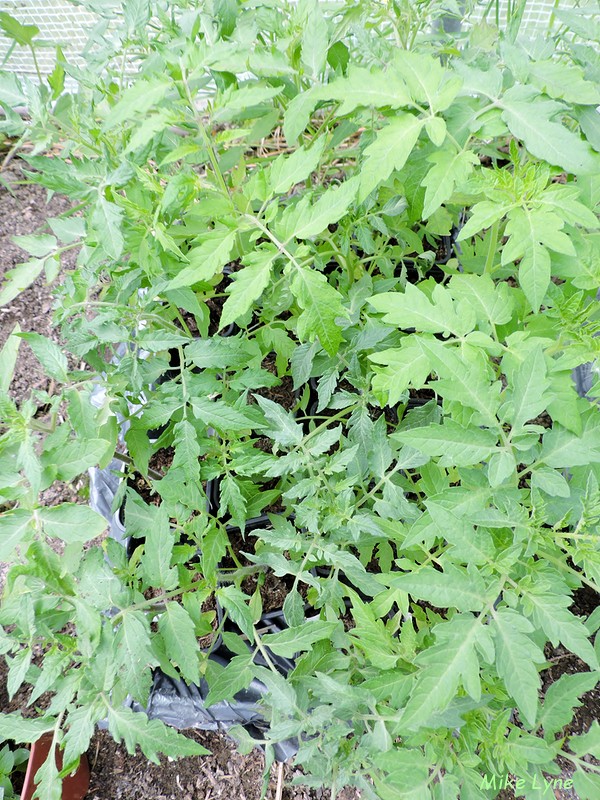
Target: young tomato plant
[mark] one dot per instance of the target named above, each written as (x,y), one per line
(338,265)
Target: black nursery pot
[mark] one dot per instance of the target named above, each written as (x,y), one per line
(183,705)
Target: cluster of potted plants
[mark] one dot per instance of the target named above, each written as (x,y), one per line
(336,268)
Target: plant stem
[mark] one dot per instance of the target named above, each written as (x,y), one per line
(204,136)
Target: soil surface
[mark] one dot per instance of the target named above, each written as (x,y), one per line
(224,774)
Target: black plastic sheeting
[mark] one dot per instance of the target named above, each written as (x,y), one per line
(175,702)
(183,705)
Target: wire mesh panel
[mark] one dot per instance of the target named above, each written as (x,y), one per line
(538,15)
(60,23)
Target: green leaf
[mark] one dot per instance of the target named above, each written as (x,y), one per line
(293,608)
(403,366)
(71,522)
(233,500)
(529,396)
(18,669)
(551,482)
(551,613)
(501,466)
(390,151)
(516,655)
(81,724)
(589,743)
(222,416)
(287,171)
(293,640)
(156,341)
(529,749)
(67,229)
(301,363)
(187,451)
(238,101)
(235,603)
(362,87)
(428,81)
(153,736)
(106,223)
(413,309)
(136,101)
(449,169)
(152,524)
(75,456)
(282,426)
(298,113)
(249,284)
(329,208)
(14,529)
(560,700)
(213,548)
(483,215)
(11,92)
(38,246)
(49,354)
(534,275)
(237,675)
(315,41)
(453,588)
(563,448)
(22,34)
(56,79)
(366,87)
(451,661)
(14,727)
(436,130)
(8,358)
(48,785)
(321,305)
(464,377)
(457,446)
(530,118)
(564,81)
(19,279)
(491,303)
(586,784)
(177,630)
(563,200)
(206,258)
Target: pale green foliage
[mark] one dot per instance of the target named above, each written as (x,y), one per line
(397,229)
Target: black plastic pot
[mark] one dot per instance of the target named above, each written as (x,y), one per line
(183,705)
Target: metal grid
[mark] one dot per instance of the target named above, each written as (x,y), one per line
(60,23)
(538,16)
(65,24)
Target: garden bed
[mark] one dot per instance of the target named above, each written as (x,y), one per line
(383,333)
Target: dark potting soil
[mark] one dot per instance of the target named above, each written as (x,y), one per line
(162,459)
(273,590)
(215,305)
(222,775)
(190,321)
(283,393)
(140,485)
(423,394)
